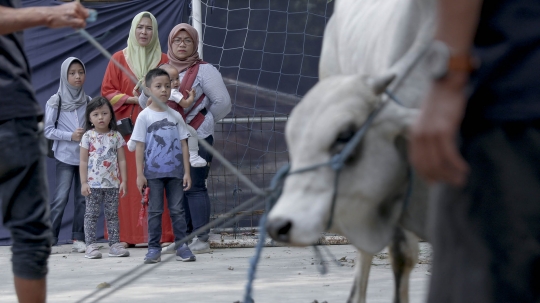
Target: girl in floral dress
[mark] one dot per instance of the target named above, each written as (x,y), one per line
(103,175)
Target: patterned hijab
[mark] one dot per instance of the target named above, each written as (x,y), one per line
(72,97)
(181,65)
(141,59)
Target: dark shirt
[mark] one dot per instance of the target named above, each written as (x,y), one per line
(506,87)
(17,97)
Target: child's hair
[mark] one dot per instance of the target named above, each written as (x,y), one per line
(153,73)
(94,104)
(166,66)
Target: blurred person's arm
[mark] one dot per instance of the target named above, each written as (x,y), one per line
(433,149)
(66,15)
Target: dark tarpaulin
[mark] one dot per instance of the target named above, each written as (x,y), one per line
(46,49)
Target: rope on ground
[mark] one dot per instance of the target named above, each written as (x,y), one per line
(276,186)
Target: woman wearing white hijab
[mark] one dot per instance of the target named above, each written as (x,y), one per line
(66,134)
(142,53)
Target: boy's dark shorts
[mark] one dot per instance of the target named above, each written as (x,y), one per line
(23,195)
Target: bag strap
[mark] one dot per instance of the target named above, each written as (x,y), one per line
(132,108)
(196,104)
(189,79)
(58,111)
(187,83)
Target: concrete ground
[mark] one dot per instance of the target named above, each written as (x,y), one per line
(285,274)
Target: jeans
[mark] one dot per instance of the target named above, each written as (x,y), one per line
(196,199)
(174,190)
(65,175)
(23,196)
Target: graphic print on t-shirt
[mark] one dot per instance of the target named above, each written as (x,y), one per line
(163,156)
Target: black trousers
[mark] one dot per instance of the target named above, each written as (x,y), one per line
(196,200)
(486,236)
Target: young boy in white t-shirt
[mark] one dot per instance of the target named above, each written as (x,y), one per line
(162,160)
(176,101)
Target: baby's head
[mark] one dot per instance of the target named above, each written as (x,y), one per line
(158,82)
(173,74)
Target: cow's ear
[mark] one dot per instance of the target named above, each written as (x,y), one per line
(379,84)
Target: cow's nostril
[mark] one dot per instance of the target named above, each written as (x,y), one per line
(279,229)
(284,230)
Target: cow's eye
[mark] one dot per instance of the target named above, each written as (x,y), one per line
(342,139)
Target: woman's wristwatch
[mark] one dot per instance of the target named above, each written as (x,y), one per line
(442,61)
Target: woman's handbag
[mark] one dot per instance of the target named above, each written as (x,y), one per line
(50,152)
(125,125)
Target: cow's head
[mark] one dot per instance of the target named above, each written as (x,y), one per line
(373,179)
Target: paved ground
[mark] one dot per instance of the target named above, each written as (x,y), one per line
(285,274)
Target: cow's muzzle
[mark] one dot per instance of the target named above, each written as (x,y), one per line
(279,229)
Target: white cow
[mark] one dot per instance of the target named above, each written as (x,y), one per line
(368,44)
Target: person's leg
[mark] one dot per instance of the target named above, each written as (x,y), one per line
(31,291)
(93,202)
(187,214)
(79,207)
(175,195)
(23,197)
(110,200)
(64,178)
(155,211)
(193,146)
(91,215)
(487,234)
(508,202)
(196,198)
(199,206)
(460,266)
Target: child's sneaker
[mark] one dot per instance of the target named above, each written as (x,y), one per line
(153,256)
(184,254)
(199,247)
(118,250)
(92,252)
(78,246)
(169,249)
(196,161)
